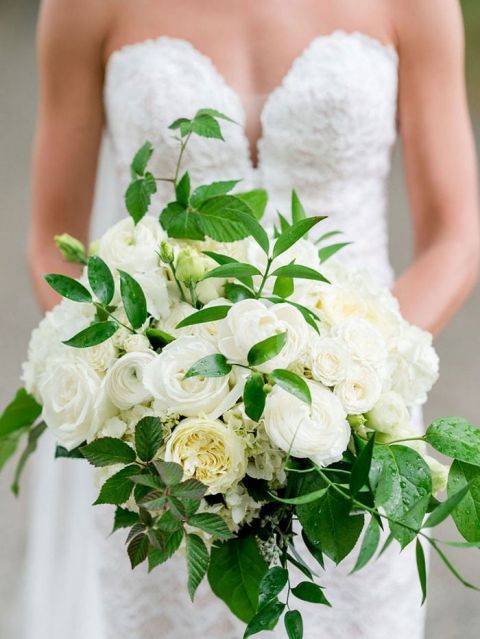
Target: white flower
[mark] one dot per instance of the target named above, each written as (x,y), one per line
(164,377)
(364,342)
(154,285)
(329,360)
(178,312)
(209,451)
(360,391)
(132,247)
(124,381)
(113,427)
(319,432)
(389,413)
(101,356)
(242,507)
(250,321)
(439,473)
(136,343)
(74,404)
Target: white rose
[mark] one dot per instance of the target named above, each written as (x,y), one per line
(101,356)
(113,427)
(74,404)
(132,247)
(164,377)
(329,360)
(154,285)
(389,413)
(209,451)
(360,391)
(124,380)
(250,321)
(178,312)
(364,342)
(319,432)
(136,343)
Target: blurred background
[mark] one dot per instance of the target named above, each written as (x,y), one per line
(453,611)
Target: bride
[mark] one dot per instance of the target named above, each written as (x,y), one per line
(320,88)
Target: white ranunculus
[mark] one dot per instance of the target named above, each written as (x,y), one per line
(178,312)
(360,391)
(101,356)
(319,432)
(124,380)
(364,342)
(154,285)
(329,360)
(250,321)
(164,377)
(208,450)
(132,247)
(74,404)
(389,413)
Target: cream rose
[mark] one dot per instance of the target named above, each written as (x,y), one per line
(208,450)
(251,321)
(360,391)
(319,432)
(164,377)
(124,380)
(329,360)
(389,413)
(362,340)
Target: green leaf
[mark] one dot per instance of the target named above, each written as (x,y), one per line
(309,316)
(283,287)
(107,451)
(75,453)
(236,292)
(138,196)
(68,287)
(236,571)
(206,126)
(158,338)
(124,518)
(180,123)
(209,314)
(361,467)
(308,591)
(234,269)
(455,437)
(118,488)
(214,365)
(207,191)
(267,349)
(466,514)
(215,114)
(210,523)
(33,436)
(327,235)
(369,545)
(140,161)
(444,508)
(328,251)
(8,447)
(254,396)
(20,413)
(314,550)
(292,383)
(93,335)
(294,233)
(197,562)
(180,222)
(170,472)
(265,619)
(256,200)
(148,438)
(100,279)
(299,271)
(171,544)
(272,584)
(307,498)
(402,484)
(294,624)
(298,212)
(133,299)
(138,549)
(284,224)
(189,489)
(182,190)
(422,569)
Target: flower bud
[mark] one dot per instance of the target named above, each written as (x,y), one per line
(190,267)
(166,252)
(71,249)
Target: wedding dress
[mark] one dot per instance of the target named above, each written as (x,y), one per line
(327,131)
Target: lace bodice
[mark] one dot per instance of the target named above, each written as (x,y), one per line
(327,129)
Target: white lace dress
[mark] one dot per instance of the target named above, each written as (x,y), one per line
(327,131)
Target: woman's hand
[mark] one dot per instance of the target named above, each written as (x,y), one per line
(440,162)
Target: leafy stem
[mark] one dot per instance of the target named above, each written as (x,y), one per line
(265,277)
(177,282)
(103,309)
(183,146)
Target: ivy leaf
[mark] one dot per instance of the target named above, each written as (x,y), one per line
(298,212)
(267,349)
(299,271)
(140,161)
(444,508)
(207,191)
(361,467)
(118,488)
(170,472)
(20,413)
(272,584)
(182,190)
(68,287)
(138,549)
(265,619)
(293,233)
(100,279)
(327,252)
(294,624)
(206,126)
(92,335)
(256,200)
(124,518)
(455,437)
(133,299)
(180,222)
(422,569)
(292,383)
(209,314)
(197,562)
(138,196)
(308,591)
(214,365)
(466,514)
(171,543)
(148,438)
(369,545)
(211,523)
(33,436)
(107,451)
(254,396)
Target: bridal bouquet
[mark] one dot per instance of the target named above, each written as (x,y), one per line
(238,389)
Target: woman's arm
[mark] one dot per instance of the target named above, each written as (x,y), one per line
(70,119)
(440,162)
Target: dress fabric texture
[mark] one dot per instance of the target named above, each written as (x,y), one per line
(327,131)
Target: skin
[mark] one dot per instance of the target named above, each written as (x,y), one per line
(253,45)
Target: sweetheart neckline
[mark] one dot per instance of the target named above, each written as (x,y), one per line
(254,147)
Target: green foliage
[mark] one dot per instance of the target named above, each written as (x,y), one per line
(124,518)
(466,514)
(266,349)
(455,437)
(138,549)
(369,545)
(165,547)
(182,190)
(327,252)
(197,562)
(294,624)
(214,365)
(158,338)
(21,413)
(68,287)
(236,292)
(209,314)
(170,472)
(138,196)
(93,335)
(207,191)
(141,159)
(118,488)
(181,222)
(265,619)
(100,279)
(293,233)
(72,250)
(133,299)
(300,272)
(74,453)
(361,467)
(148,438)
(444,508)
(292,383)
(236,270)
(308,591)
(32,440)
(256,201)
(272,584)
(297,210)
(210,523)
(283,286)
(107,451)
(226,218)
(422,569)
(254,396)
